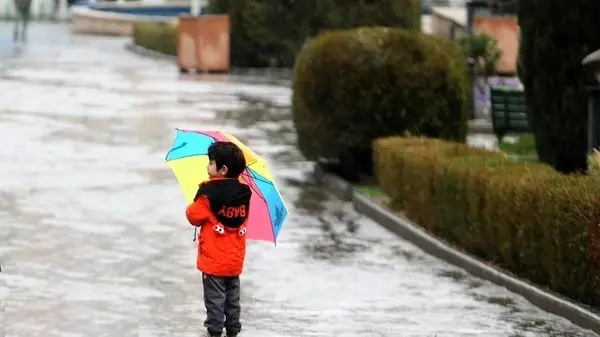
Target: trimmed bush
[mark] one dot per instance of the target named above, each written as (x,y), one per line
(350,87)
(522,216)
(419,160)
(271,32)
(157,36)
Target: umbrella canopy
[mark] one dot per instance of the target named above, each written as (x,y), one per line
(188,159)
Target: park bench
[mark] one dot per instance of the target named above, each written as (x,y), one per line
(508,110)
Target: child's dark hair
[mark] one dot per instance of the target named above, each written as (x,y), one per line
(230,155)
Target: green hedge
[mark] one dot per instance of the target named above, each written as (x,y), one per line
(522,216)
(157,36)
(271,32)
(350,87)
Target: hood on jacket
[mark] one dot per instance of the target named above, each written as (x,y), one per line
(229,200)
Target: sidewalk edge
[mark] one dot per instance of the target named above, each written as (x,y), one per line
(143,51)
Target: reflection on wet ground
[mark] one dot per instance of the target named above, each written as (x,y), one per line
(93,240)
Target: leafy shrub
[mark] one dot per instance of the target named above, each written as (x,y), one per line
(522,216)
(157,36)
(350,87)
(271,32)
(484,50)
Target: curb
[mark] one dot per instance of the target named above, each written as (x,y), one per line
(337,186)
(413,233)
(132,47)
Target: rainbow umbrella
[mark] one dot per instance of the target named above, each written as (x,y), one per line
(188,159)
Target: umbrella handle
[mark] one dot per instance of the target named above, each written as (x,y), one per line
(195,235)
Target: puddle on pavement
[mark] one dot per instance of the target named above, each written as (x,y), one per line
(94,241)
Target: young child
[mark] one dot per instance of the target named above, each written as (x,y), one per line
(221,209)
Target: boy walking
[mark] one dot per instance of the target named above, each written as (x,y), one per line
(221,209)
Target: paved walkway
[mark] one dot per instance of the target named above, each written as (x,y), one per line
(94,243)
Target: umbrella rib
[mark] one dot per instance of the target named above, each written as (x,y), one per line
(253,175)
(259,192)
(190,155)
(183,144)
(266,204)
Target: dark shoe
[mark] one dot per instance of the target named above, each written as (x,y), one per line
(213,333)
(231,333)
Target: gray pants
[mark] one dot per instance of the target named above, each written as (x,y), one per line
(222,301)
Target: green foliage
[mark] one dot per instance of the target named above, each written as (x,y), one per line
(271,32)
(350,87)
(157,36)
(524,145)
(484,50)
(555,36)
(522,216)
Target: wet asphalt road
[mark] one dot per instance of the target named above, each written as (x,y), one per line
(93,239)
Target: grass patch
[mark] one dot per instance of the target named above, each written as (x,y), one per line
(521,145)
(369,190)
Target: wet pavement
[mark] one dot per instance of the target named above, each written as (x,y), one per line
(93,239)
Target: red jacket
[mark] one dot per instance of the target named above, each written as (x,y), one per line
(221,208)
